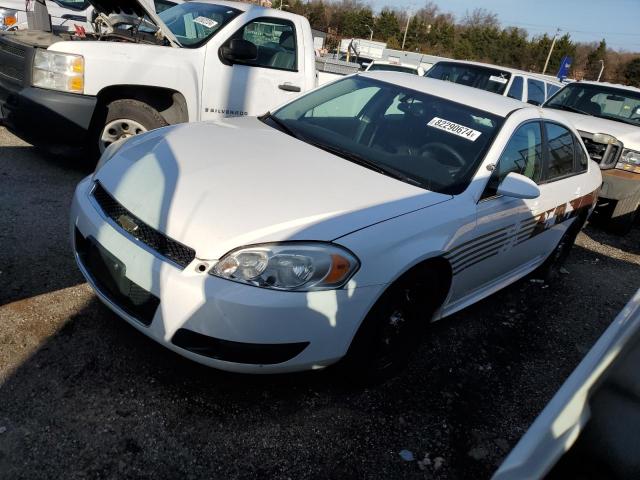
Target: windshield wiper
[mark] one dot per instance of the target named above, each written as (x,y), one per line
(281,125)
(567,108)
(363,162)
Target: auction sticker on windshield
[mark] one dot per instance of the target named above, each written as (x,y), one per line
(205,21)
(456,129)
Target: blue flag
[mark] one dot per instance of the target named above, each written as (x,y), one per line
(565,65)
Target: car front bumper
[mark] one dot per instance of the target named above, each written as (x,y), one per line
(217,322)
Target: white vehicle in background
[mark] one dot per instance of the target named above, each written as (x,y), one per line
(138,70)
(323,231)
(390,66)
(509,82)
(608,118)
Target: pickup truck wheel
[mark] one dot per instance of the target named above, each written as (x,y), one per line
(126,118)
(391,331)
(624,215)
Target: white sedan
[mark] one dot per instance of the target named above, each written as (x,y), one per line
(336,227)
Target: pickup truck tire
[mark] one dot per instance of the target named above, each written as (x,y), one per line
(126,118)
(624,215)
(391,331)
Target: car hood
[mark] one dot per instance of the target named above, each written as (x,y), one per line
(216,186)
(629,135)
(139,8)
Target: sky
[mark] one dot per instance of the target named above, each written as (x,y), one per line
(618,21)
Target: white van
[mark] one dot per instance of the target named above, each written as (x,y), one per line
(524,86)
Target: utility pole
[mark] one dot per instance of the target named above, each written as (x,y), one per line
(405,31)
(371,30)
(601,70)
(553,44)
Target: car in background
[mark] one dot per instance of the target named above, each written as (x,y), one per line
(591,428)
(608,119)
(509,82)
(336,227)
(389,66)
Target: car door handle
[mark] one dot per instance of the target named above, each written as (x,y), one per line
(287,87)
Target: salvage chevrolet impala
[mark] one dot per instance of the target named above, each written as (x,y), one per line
(334,228)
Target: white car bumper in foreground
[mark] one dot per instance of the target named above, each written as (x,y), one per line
(213,321)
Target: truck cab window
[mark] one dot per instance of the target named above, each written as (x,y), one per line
(535,92)
(275,41)
(523,155)
(515,90)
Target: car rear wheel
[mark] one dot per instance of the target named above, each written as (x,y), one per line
(392,330)
(126,118)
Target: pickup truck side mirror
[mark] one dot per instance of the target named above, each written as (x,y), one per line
(238,50)
(515,185)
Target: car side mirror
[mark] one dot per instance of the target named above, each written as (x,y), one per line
(515,185)
(239,50)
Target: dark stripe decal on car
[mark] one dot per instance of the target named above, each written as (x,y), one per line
(490,244)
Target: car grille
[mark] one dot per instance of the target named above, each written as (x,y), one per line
(601,153)
(128,222)
(12,61)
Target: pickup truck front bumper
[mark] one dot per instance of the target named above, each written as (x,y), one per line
(618,184)
(56,121)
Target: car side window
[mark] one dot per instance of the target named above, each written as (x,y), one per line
(523,155)
(560,151)
(275,41)
(515,90)
(582,159)
(535,91)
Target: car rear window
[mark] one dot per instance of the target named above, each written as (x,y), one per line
(477,76)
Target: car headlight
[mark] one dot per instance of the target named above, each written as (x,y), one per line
(110,152)
(629,161)
(292,266)
(8,18)
(58,71)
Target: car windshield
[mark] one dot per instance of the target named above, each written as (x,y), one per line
(194,23)
(484,78)
(599,101)
(428,141)
(392,68)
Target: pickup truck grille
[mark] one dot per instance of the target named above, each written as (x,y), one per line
(604,154)
(12,61)
(158,242)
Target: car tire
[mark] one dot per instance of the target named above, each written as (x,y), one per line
(391,331)
(125,118)
(624,215)
(550,269)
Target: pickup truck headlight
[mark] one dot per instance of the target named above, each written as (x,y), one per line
(289,266)
(8,18)
(629,161)
(58,71)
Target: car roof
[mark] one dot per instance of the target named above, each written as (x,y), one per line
(473,97)
(612,85)
(539,76)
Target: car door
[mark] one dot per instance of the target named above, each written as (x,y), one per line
(503,243)
(253,87)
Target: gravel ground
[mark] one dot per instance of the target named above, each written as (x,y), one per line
(83,395)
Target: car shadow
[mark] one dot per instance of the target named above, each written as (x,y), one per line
(629,243)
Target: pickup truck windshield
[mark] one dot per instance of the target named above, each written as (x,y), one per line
(194,23)
(599,101)
(414,137)
(484,78)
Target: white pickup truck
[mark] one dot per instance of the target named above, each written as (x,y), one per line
(139,70)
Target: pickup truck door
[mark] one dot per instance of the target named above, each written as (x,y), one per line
(253,87)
